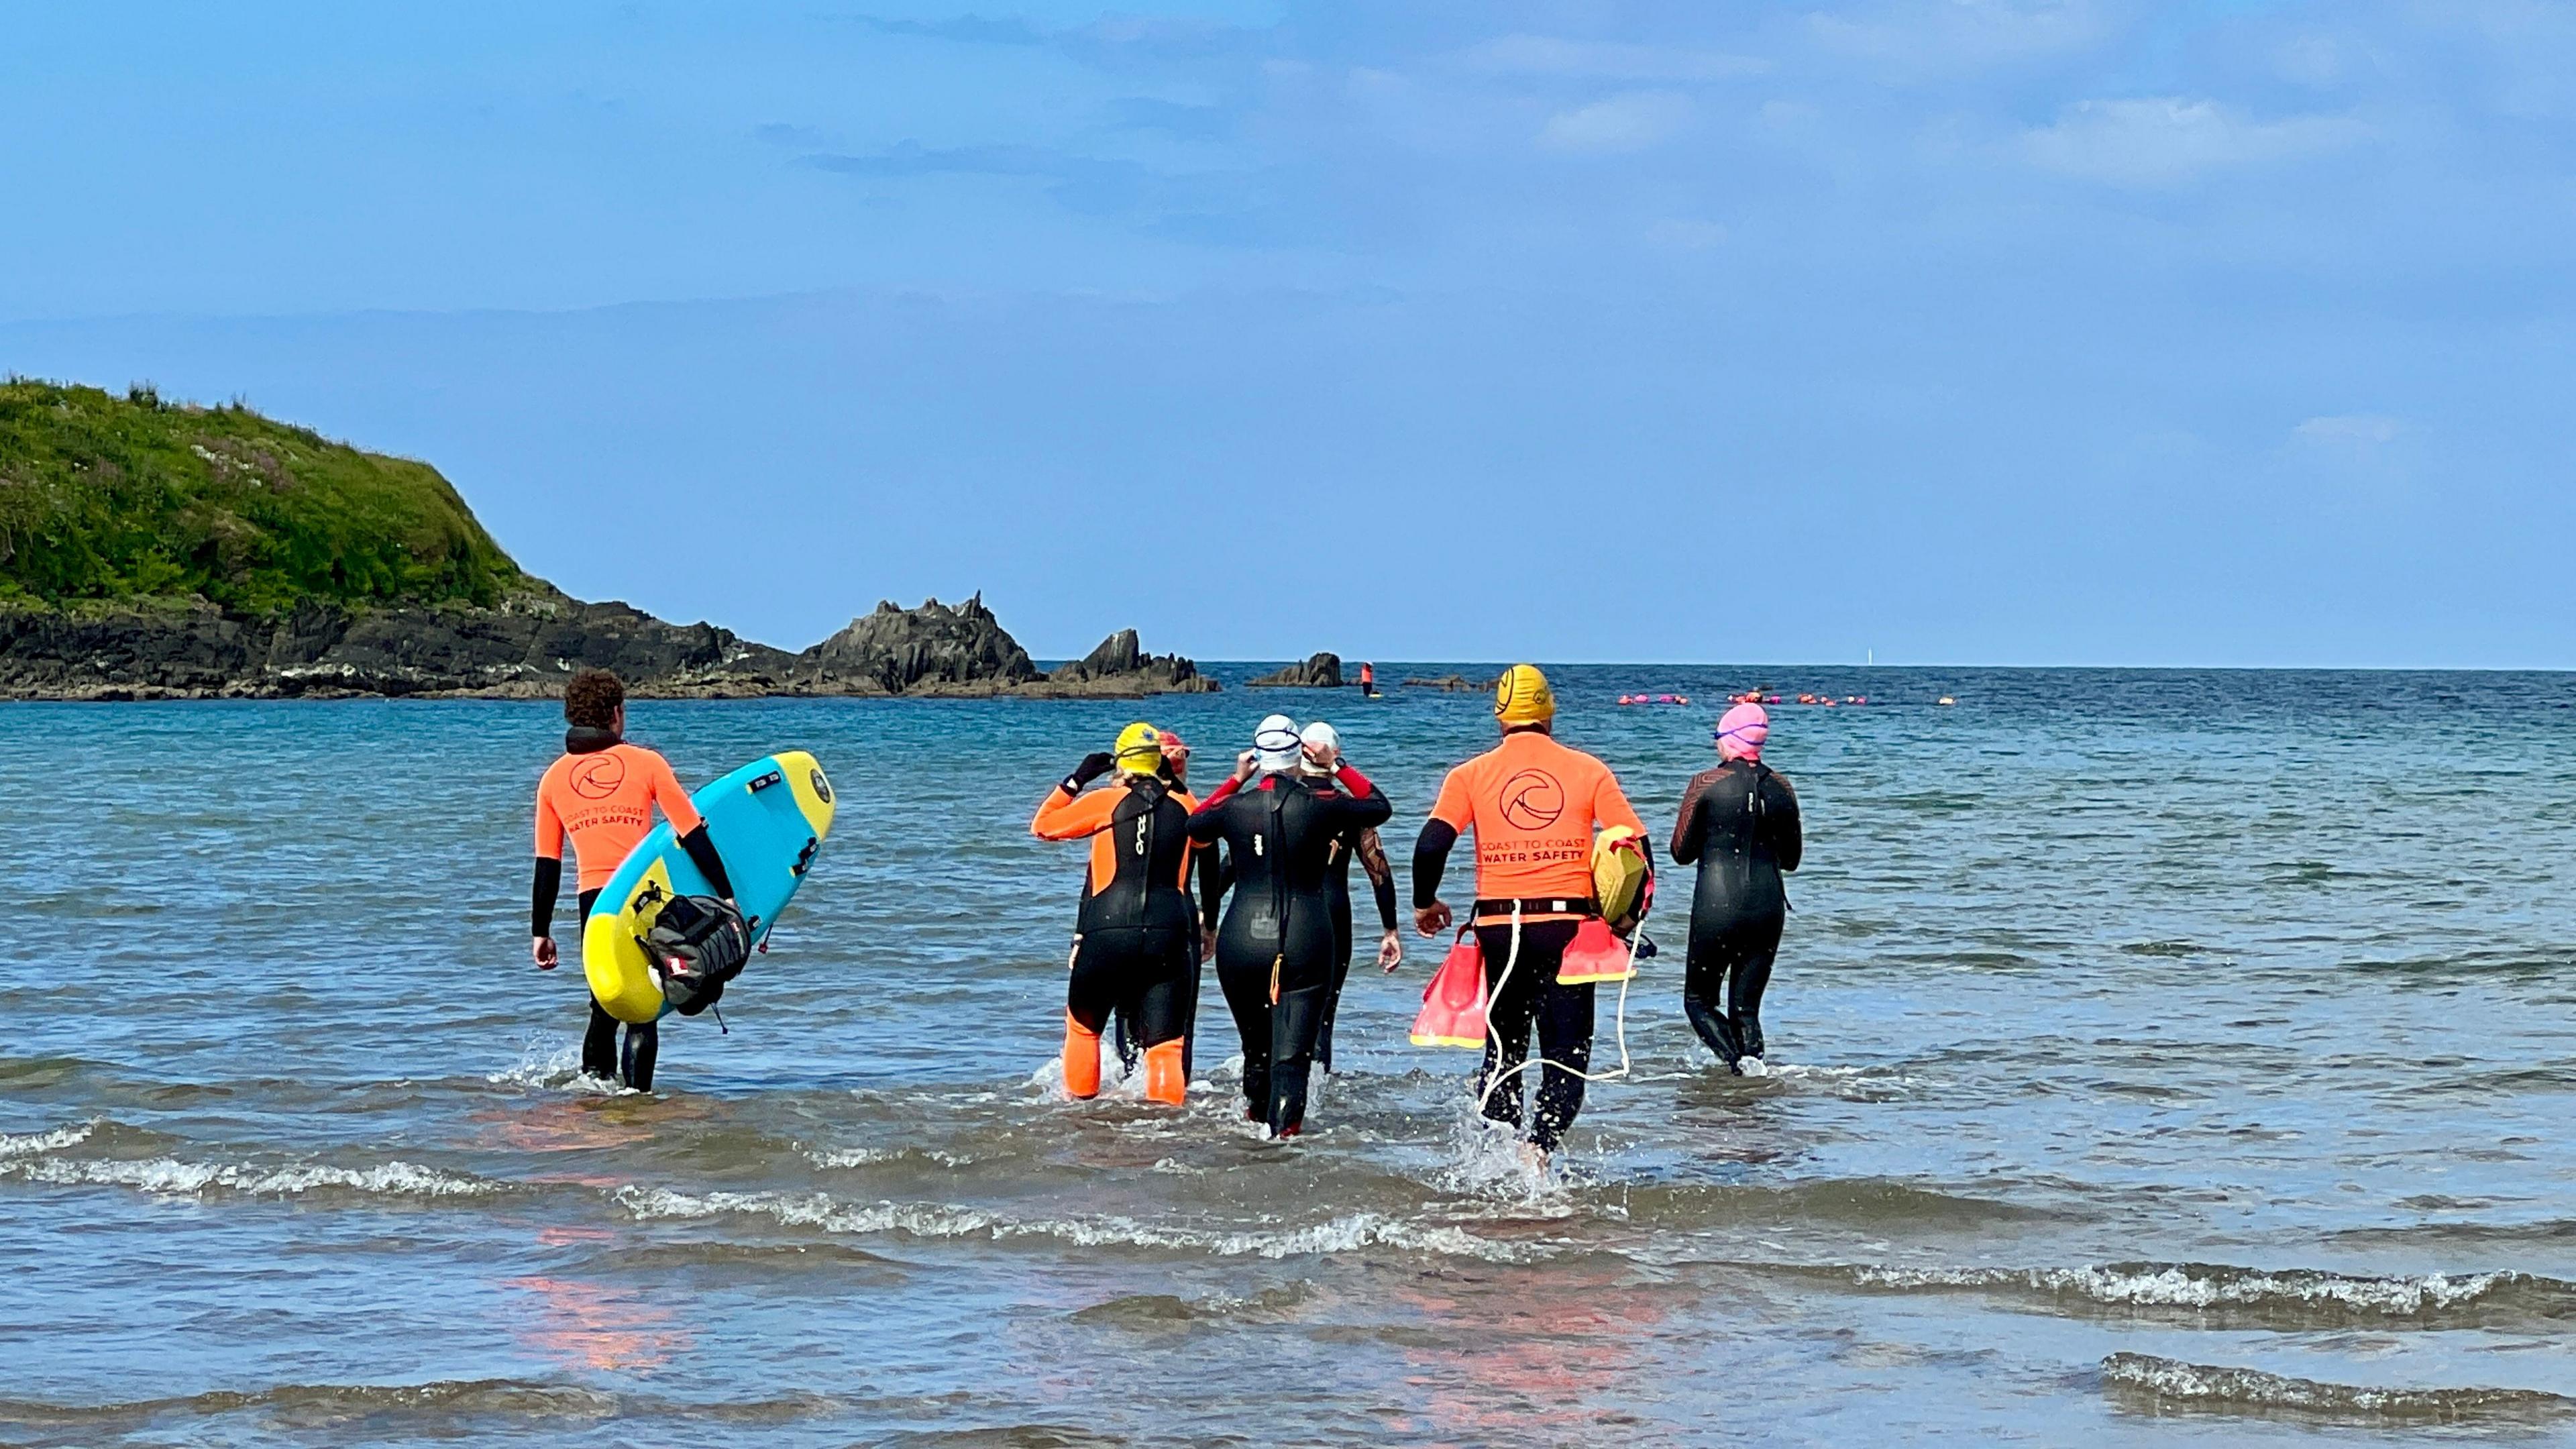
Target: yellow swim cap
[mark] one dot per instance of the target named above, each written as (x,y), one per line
(1521,696)
(1140,749)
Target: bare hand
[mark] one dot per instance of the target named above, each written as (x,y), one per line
(1433,919)
(1390,951)
(1207,942)
(1244,764)
(542,948)
(1325,761)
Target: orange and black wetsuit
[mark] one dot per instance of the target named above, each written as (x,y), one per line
(1740,823)
(1276,949)
(1134,950)
(601,793)
(1362,844)
(1533,805)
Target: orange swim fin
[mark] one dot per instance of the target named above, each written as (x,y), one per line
(1164,1079)
(1595,954)
(1081,1059)
(1453,1005)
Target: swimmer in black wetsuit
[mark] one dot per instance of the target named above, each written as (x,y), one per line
(1275,950)
(1322,748)
(1740,823)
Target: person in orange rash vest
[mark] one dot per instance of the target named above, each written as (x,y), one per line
(601,795)
(1533,805)
(1135,949)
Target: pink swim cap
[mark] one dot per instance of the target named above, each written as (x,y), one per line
(1742,731)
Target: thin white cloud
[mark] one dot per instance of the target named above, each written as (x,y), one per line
(2166,140)
(2354,432)
(1630,122)
(1548,55)
(1683,234)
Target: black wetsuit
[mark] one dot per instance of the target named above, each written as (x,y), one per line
(1210,870)
(1740,823)
(1135,954)
(1276,948)
(1337,879)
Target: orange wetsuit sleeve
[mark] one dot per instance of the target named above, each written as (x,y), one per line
(674,801)
(550,826)
(1066,816)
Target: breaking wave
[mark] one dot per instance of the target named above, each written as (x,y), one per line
(32,1144)
(170,1177)
(1347,1233)
(2306,1295)
(2167,1385)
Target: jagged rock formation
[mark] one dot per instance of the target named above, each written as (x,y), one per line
(1453,684)
(1321,671)
(1121,668)
(918,651)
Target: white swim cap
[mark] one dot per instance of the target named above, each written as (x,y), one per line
(1274,744)
(1319,738)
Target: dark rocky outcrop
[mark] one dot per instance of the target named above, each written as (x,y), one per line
(1454,684)
(529,645)
(920,651)
(159,550)
(1321,671)
(1120,668)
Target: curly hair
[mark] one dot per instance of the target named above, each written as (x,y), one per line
(591,700)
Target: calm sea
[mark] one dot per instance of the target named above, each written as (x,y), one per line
(2162,1058)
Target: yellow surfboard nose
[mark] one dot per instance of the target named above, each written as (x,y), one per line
(813,789)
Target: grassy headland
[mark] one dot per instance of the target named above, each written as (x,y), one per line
(135,500)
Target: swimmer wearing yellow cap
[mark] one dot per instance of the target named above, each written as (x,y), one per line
(1533,805)
(1134,954)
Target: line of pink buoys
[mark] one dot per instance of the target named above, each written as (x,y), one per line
(1755,696)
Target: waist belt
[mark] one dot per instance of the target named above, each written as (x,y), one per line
(1539,906)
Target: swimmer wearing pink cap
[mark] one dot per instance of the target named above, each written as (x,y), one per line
(1739,825)
(1741,731)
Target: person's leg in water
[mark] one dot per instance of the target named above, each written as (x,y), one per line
(1722,984)
(1161,1013)
(1090,998)
(1126,1039)
(643,1044)
(599,1038)
(1704,995)
(1105,980)
(1341,975)
(1247,994)
(1514,1007)
(1332,1008)
(1761,946)
(1565,1044)
(599,1044)
(1302,1015)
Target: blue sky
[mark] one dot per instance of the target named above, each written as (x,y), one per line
(1961,330)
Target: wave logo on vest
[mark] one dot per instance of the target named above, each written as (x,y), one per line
(598,777)
(1532,800)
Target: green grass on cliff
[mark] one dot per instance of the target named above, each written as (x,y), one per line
(124,499)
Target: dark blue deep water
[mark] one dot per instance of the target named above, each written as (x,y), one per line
(2162,1058)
